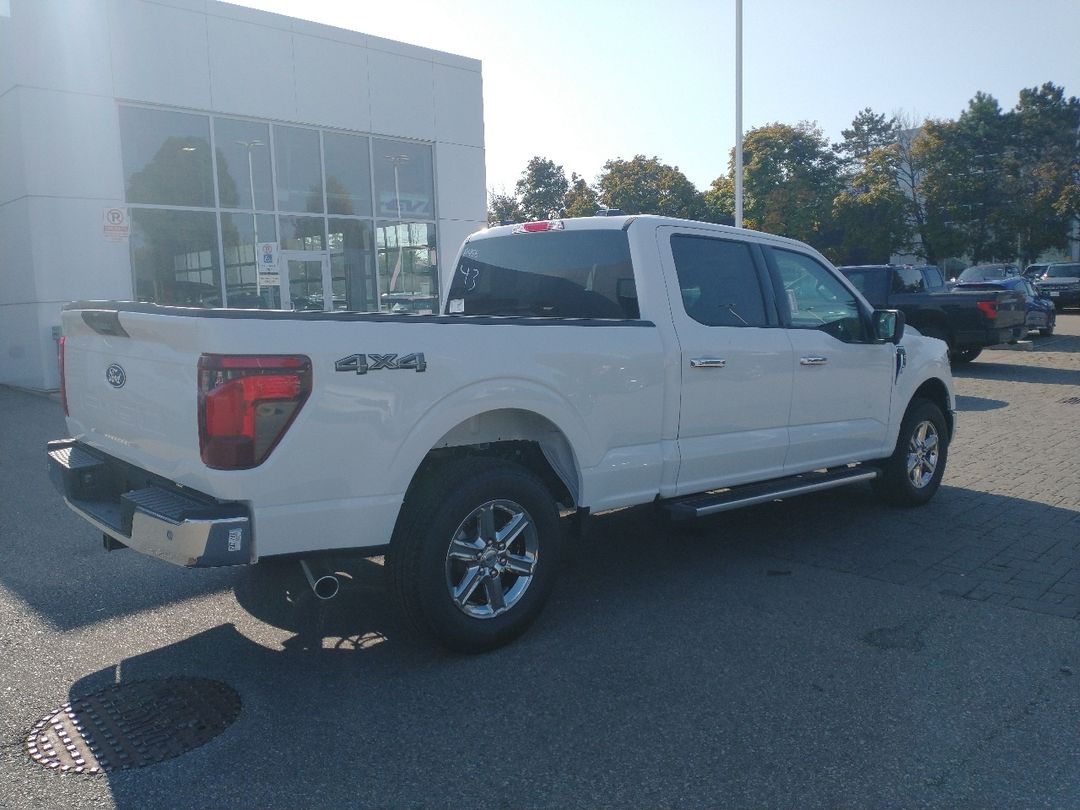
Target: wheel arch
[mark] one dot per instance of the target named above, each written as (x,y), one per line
(935,390)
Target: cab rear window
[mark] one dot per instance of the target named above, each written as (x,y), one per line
(553,274)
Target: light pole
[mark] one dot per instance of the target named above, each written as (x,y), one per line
(249,145)
(738,114)
(397,161)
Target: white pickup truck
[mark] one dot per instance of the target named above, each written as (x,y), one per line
(578,366)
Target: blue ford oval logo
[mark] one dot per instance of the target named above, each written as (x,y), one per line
(115,376)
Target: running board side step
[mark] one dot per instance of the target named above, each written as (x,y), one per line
(710,503)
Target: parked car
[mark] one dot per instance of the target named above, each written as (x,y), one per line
(1061,283)
(1041,314)
(966,321)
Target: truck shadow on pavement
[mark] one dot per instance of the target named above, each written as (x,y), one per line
(1009,372)
(349,707)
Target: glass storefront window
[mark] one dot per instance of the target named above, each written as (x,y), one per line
(243,164)
(166,157)
(348,174)
(365,204)
(299,169)
(404,180)
(175,257)
(239,235)
(352,263)
(303,233)
(407,267)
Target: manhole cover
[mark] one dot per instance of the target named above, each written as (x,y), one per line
(132,725)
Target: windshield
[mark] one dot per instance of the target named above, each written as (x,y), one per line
(1063,271)
(982,274)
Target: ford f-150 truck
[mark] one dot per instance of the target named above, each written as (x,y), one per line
(577,366)
(967,320)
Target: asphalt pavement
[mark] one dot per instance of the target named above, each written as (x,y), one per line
(827,651)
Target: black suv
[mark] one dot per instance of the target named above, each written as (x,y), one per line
(1061,284)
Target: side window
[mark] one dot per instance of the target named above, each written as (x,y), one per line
(816,299)
(907,280)
(934,279)
(718,281)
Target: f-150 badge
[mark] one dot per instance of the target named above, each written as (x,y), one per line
(363,363)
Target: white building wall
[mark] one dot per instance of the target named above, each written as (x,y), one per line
(63,68)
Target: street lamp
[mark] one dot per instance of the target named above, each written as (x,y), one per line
(397,161)
(249,145)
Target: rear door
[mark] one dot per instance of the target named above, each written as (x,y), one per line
(736,361)
(843,378)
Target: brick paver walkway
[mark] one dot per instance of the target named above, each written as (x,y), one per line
(1005,526)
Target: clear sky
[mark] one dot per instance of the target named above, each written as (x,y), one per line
(584,81)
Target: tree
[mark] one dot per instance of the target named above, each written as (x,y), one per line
(791,177)
(541,189)
(869,131)
(503,208)
(967,207)
(1042,169)
(646,186)
(873,211)
(581,199)
(720,200)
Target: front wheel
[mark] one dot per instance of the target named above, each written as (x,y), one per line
(912,474)
(475,553)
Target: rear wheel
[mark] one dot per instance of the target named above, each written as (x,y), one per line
(965,355)
(475,553)
(912,474)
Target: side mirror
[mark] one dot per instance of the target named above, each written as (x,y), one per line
(889,325)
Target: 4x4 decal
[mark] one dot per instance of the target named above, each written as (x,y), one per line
(363,363)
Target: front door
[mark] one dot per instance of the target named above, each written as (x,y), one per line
(305,280)
(736,361)
(843,377)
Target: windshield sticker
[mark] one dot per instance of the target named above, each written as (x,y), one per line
(457,306)
(470,274)
(793,302)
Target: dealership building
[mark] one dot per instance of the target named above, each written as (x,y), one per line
(197,153)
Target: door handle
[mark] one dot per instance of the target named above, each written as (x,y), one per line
(813,361)
(707,362)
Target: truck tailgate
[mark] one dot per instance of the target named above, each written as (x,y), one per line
(131,382)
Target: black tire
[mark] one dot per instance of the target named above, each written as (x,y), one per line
(961,356)
(897,484)
(1048,331)
(447,518)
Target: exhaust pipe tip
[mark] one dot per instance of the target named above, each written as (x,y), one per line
(325,586)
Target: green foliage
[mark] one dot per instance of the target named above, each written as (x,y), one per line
(869,131)
(541,189)
(791,177)
(503,208)
(581,199)
(720,200)
(647,186)
(873,211)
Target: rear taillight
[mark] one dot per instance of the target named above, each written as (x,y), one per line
(246,403)
(989,308)
(63,382)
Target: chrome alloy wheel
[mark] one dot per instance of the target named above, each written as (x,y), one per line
(922,458)
(491,560)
